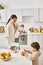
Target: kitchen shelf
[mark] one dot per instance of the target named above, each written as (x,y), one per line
(38,21)
(36,33)
(2,33)
(32,34)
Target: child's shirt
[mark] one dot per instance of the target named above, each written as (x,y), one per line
(34,57)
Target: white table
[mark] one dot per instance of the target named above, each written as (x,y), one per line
(17,59)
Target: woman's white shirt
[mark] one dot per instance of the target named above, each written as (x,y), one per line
(10,32)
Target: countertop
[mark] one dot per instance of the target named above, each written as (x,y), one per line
(17,59)
(31,33)
(28,33)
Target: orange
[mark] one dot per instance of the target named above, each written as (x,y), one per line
(23,53)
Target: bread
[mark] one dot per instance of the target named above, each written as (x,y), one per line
(1,29)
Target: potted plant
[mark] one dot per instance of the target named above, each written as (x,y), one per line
(1,6)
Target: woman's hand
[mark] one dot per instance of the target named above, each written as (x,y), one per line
(19,31)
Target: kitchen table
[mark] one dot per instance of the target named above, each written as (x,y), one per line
(16,59)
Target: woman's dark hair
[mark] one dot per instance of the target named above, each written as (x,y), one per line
(12,17)
(35,45)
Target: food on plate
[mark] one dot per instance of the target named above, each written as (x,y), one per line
(41,31)
(35,30)
(5,56)
(31,29)
(23,53)
(14,49)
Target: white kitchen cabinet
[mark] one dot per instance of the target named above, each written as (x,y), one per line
(29,39)
(41,14)
(27,12)
(3,15)
(32,38)
(17,12)
(11,12)
(35,14)
(38,14)
(41,41)
(19,15)
(35,38)
(3,40)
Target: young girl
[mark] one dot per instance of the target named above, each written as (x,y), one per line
(35,53)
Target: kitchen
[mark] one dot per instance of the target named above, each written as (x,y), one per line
(30,16)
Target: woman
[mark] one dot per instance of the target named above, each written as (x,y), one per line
(11,28)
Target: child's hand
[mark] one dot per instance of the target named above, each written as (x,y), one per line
(25,50)
(28,51)
(26,55)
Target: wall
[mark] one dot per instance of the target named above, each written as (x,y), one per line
(23,3)
(28,22)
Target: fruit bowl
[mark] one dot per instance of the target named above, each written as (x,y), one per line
(5,56)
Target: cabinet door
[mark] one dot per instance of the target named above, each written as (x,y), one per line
(29,39)
(41,40)
(35,14)
(2,40)
(11,12)
(32,38)
(17,12)
(28,12)
(41,14)
(3,15)
(19,15)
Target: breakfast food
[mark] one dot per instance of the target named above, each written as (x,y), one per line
(41,31)
(31,29)
(35,30)
(23,53)
(5,56)
(14,49)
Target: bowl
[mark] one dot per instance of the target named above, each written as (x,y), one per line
(14,49)
(5,56)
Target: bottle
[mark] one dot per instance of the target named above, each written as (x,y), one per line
(40,28)
(19,47)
